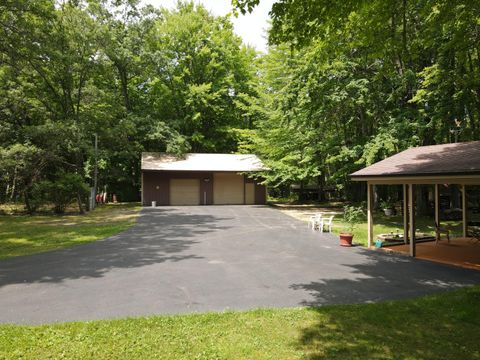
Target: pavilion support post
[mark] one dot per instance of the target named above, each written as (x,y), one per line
(370,214)
(405,213)
(411,205)
(437,209)
(464,211)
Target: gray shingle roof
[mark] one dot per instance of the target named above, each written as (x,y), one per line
(202,162)
(445,159)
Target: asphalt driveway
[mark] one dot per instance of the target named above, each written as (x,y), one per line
(193,259)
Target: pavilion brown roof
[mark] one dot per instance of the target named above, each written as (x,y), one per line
(446,159)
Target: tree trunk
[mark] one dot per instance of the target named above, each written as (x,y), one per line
(455,197)
(398,56)
(14,183)
(421,203)
(404,27)
(7,191)
(301,196)
(321,183)
(376,196)
(122,72)
(80,205)
(27,203)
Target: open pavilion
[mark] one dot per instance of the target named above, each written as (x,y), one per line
(457,163)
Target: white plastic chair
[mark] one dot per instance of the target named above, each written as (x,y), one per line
(326,222)
(315,221)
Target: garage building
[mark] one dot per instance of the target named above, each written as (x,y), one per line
(201,179)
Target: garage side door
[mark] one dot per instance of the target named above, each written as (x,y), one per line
(227,189)
(184,192)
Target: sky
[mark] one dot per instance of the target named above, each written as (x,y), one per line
(250,27)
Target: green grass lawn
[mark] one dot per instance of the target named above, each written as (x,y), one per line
(442,326)
(386,224)
(23,234)
(382,223)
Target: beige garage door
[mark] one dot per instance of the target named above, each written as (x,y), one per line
(227,189)
(184,192)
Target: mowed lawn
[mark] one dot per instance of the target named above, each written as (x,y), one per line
(382,223)
(442,326)
(393,224)
(23,234)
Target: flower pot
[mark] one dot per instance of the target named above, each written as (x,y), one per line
(346,239)
(389,211)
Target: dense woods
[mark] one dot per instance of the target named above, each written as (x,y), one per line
(352,82)
(138,77)
(344,84)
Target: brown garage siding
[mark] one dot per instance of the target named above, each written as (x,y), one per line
(152,179)
(206,189)
(260,190)
(161,179)
(260,194)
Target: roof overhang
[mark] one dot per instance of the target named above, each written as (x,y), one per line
(466,179)
(432,164)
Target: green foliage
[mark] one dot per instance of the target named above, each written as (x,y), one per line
(200,76)
(345,84)
(392,224)
(348,83)
(352,216)
(245,5)
(20,166)
(61,192)
(386,204)
(142,79)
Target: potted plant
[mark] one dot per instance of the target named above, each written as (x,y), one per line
(388,207)
(352,216)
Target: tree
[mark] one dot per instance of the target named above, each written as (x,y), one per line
(140,78)
(200,76)
(370,79)
(47,54)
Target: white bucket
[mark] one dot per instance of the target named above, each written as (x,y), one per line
(154,203)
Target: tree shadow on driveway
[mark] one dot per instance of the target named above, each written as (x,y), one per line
(160,235)
(384,276)
(418,328)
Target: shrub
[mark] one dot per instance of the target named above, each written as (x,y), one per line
(38,196)
(352,216)
(60,192)
(387,204)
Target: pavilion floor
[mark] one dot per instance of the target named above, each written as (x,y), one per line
(463,252)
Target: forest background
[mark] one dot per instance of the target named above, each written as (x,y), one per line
(343,85)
